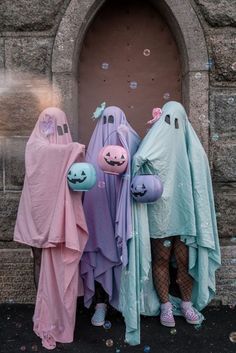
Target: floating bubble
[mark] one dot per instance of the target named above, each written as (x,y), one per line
(197,327)
(232,337)
(147,349)
(209,64)
(101,184)
(117,350)
(132,107)
(218,214)
(105,66)
(23,348)
(107,325)
(34,348)
(231,100)
(133,85)
(146,52)
(167,243)
(18,325)
(198,75)
(166,96)
(8,317)
(173,331)
(109,343)
(202,117)
(233,66)
(215,137)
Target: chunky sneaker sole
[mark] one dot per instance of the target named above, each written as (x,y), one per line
(98,318)
(167,324)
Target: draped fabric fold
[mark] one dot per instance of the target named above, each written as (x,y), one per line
(107,210)
(51,217)
(172,150)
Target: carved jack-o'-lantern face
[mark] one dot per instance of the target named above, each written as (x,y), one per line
(75,178)
(81,176)
(113,159)
(138,190)
(146,188)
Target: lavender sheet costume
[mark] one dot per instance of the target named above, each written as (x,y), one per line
(107,210)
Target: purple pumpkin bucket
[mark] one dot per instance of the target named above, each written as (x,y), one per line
(146,188)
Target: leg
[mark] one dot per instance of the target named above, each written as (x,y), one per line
(101,299)
(184,280)
(37,264)
(161,252)
(160,266)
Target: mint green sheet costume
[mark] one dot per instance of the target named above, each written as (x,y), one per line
(172,150)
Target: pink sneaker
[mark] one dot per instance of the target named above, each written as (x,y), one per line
(166,317)
(189,313)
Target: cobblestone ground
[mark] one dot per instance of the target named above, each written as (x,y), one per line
(213,336)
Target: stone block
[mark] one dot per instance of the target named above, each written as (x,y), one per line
(2,52)
(14,163)
(224,162)
(225,199)
(218,13)
(1,162)
(22,99)
(16,276)
(28,54)
(224,57)
(8,211)
(23,15)
(222,115)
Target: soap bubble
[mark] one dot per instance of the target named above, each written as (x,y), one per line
(215,137)
(34,348)
(166,96)
(233,66)
(117,350)
(109,343)
(198,75)
(209,64)
(173,331)
(147,349)
(18,325)
(146,52)
(101,184)
(197,327)
(107,325)
(105,66)
(218,214)
(23,348)
(232,337)
(167,243)
(133,85)
(231,100)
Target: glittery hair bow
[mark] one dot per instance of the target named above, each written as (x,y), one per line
(99,110)
(156,114)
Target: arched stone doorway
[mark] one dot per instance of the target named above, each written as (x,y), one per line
(128,58)
(190,40)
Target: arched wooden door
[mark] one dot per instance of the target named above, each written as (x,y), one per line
(129,59)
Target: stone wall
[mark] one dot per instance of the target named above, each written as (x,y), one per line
(27,33)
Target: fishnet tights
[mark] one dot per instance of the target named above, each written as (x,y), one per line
(161,255)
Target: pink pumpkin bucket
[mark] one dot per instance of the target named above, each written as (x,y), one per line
(113,159)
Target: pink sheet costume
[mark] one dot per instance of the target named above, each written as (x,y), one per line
(51,217)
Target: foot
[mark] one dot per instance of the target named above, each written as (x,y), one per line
(166,317)
(189,313)
(98,318)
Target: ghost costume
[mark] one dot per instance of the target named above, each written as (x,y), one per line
(51,217)
(172,150)
(107,210)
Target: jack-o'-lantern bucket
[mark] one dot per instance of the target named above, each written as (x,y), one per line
(146,188)
(113,159)
(81,176)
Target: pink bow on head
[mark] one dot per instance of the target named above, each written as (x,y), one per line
(156,113)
